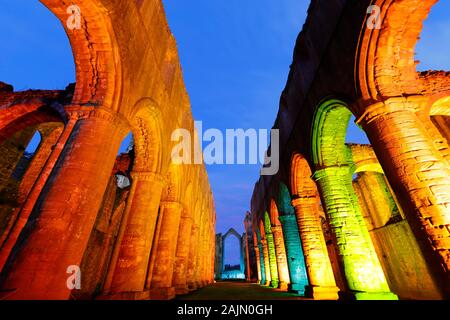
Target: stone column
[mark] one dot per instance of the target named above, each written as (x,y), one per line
(247,257)
(376,198)
(418,173)
(131,261)
(363,270)
(296,262)
(32,183)
(192,261)
(322,284)
(271,252)
(265,254)
(257,257)
(182,255)
(261,261)
(199,254)
(280,250)
(67,208)
(161,285)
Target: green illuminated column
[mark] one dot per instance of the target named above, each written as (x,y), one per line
(272,255)
(362,268)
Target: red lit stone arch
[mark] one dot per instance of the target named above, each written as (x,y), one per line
(95,52)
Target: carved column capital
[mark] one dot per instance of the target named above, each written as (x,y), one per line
(395,104)
(79,112)
(330,171)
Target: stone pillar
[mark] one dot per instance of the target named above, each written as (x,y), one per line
(322,284)
(43,161)
(247,256)
(262,264)
(363,270)
(296,262)
(196,258)
(67,208)
(199,254)
(161,285)
(265,254)
(182,255)
(192,261)
(131,262)
(280,250)
(50,135)
(418,173)
(376,199)
(257,257)
(271,250)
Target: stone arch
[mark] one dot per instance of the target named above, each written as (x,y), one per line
(300,178)
(308,211)
(95,51)
(233,232)
(148,128)
(328,134)
(364,159)
(333,174)
(27,114)
(280,249)
(385,58)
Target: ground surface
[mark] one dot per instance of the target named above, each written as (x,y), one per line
(239,291)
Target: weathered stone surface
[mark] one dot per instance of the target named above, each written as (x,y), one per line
(128,79)
(405,116)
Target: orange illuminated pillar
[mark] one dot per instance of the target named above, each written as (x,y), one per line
(165,251)
(32,183)
(130,264)
(257,255)
(417,171)
(67,210)
(182,255)
(322,284)
(280,249)
(192,261)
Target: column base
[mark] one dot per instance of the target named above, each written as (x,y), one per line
(323,293)
(375,296)
(274,284)
(283,286)
(181,290)
(162,293)
(192,286)
(141,295)
(297,289)
(267,283)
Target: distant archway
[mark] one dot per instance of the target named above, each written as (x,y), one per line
(229,272)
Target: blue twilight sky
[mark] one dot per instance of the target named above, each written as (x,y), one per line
(235,56)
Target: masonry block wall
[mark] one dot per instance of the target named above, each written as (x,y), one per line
(148,239)
(380,200)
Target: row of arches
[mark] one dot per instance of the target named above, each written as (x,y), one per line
(130,222)
(372,219)
(344,229)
